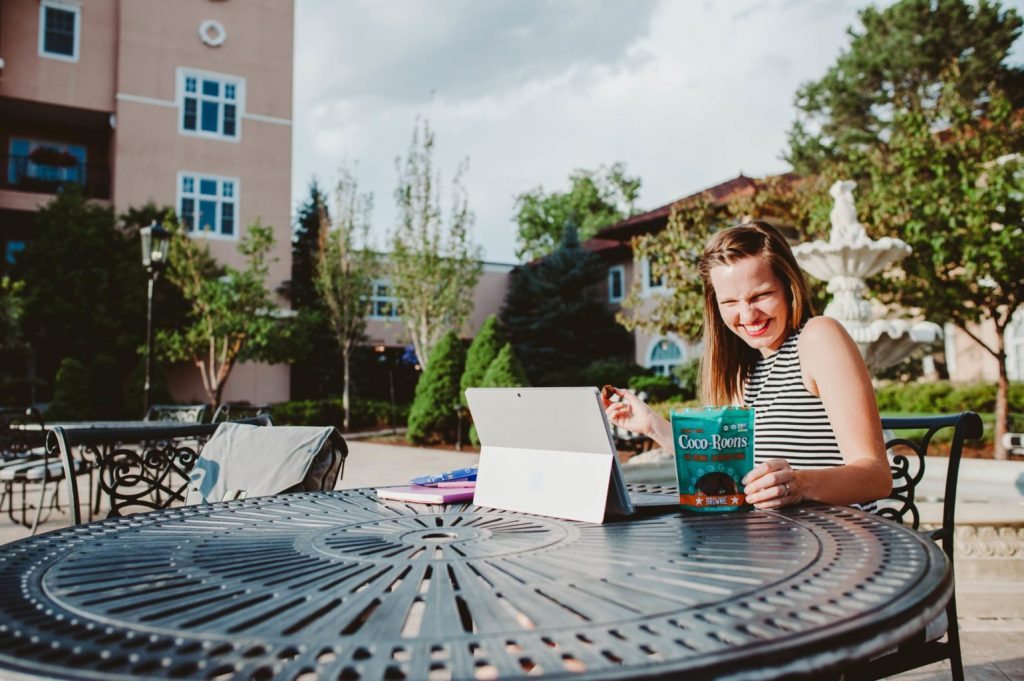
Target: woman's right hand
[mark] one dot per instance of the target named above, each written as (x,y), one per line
(633,414)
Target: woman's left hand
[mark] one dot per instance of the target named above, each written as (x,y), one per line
(772,484)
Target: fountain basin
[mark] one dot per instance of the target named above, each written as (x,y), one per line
(827,259)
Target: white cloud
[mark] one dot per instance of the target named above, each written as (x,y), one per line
(687,94)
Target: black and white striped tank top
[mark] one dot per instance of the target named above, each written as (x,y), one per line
(790,422)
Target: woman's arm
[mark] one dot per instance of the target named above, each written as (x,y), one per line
(833,370)
(634,415)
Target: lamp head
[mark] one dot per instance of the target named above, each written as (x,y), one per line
(155,243)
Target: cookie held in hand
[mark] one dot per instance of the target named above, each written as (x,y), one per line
(607,393)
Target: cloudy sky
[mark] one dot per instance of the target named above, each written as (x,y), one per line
(686,93)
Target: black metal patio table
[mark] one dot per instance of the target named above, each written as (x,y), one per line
(94,425)
(341,585)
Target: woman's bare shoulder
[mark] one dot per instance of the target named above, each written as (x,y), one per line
(823,340)
(823,330)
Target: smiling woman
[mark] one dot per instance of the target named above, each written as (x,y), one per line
(817,430)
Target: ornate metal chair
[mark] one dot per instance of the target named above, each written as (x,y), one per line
(907,450)
(138,469)
(179,413)
(22,466)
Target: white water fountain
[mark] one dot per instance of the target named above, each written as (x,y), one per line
(845,261)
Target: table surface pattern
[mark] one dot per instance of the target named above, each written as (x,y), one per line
(342,585)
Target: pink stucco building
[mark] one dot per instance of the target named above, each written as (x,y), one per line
(185,103)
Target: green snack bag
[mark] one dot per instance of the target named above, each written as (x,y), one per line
(714,450)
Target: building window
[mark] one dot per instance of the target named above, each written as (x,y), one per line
(11,251)
(664,355)
(37,165)
(616,283)
(383,305)
(1015,347)
(211,104)
(208,205)
(651,282)
(59,25)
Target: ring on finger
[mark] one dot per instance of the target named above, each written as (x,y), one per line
(785,486)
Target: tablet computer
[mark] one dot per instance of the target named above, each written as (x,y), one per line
(550,451)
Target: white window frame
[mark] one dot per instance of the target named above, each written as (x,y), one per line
(645,273)
(376,298)
(64,7)
(182,76)
(620,272)
(655,342)
(236,198)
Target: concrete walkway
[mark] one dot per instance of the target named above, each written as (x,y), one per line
(993,641)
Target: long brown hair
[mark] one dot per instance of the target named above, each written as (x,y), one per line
(727,360)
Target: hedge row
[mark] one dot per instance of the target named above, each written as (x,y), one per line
(943,397)
(365,414)
(940,397)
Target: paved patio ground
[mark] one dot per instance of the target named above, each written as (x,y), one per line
(993,645)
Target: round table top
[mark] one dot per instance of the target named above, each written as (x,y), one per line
(341,585)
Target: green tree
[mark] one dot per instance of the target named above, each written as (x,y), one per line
(434,266)
(595,199)
(106,389)
(345,270)
(800,204)
(957,198)
(231,316)
(159,391)
(555,317)
(893,64)
(919,110)
(317,366)
(482,350)
(434,414)
(504,371)
(84,287)
(313,217)
(15,353)
(72,400)
(672,255)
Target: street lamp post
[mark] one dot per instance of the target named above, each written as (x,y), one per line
(155,242)
(383,358)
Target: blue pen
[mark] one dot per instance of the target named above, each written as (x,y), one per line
(457,475)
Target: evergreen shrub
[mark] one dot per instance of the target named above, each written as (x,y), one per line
(433,416)
(610,370)
(365,414)
(72,400)
(504,372)
(159,393)
(687,377)
(481,353)
(106,391)
(658,388)
(943,397)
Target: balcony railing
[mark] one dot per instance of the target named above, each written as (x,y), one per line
(23,174)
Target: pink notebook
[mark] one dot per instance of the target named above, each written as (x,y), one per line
(426,495)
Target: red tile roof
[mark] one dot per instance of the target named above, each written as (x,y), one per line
(655,220)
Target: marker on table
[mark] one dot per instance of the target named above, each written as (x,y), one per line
(460,477)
